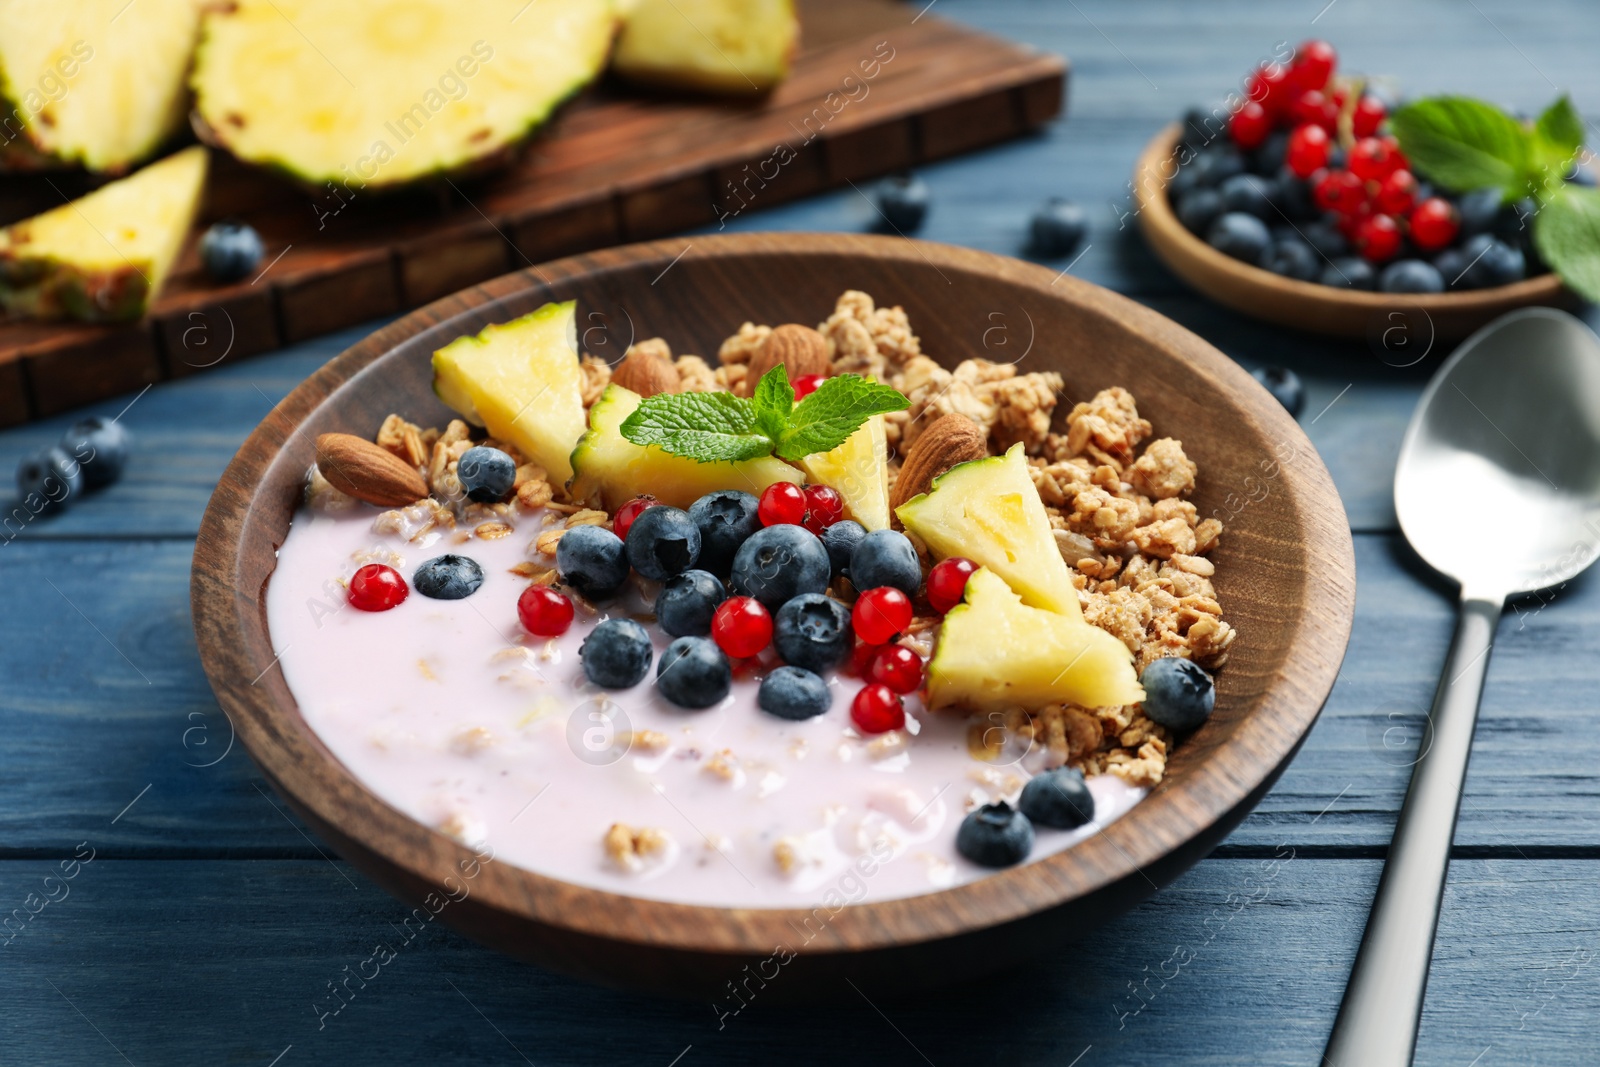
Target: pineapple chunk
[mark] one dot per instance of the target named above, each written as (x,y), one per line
(859,470)
(611,470)
(716,46)
(102,258)
(373,95)
(995,652)
(522,380)
(89,86)
(989,511)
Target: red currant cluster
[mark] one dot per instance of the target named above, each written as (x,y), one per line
(816,507)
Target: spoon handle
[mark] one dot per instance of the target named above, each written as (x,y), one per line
(1377,1024)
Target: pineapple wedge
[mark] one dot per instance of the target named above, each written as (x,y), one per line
(989,511)
(522,380)
(611,470)
(715,46)
(84,85)
(859,470)
(102,258)
(995,652)
(376,95)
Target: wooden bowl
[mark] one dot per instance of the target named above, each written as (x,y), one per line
(1304,305)
(1285,573)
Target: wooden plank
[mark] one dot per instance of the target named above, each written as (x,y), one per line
(13,395)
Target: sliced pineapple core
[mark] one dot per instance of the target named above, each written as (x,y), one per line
(718,46)
(989,511)
(859,470)
(102,258)
(995,652)
(522,380)
(376,94)
(91,82)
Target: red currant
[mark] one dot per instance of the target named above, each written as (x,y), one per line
(1351,220)
(622,521)
(1374,158)
(947,582)
(1397,193)
(1339,191)
(377,588)
(1378,238)
(1368,115)
(824,507)
(543,611)
(861,658)
(880,614)
(1314,62)
(897,667)
(1269,87)
(1314,107)
(1250,125)
(877,709)
(806,384)
(1308,150)
(1434,224)
(741,626)
(783,502)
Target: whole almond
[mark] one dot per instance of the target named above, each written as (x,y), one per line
(646,373)
(800,349)
(356,466)
(950,440)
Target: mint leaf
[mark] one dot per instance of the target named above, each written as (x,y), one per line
(839,407)
(1558,135)
(773,401)
(1567,234)
(1464,144)
(704,427)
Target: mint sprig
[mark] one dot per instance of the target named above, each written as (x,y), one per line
(721,427)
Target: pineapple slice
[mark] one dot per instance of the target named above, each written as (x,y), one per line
(89,86)
(374,95)
(102,258)
(716,46)
(522,380)
(995,652)
(611,470)
(859,470)
(989,511)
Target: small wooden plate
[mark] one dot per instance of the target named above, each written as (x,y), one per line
(1304,305)
(1285,572)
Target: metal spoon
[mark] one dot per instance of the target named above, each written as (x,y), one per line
(1498,487)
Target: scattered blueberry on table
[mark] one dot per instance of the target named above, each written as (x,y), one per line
(101,448)
(1285,387)
(230,250)
(50,476)
(903,202)
(1057,228)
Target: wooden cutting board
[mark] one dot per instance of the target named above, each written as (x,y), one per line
(878,86)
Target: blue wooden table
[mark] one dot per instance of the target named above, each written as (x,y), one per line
(203,924)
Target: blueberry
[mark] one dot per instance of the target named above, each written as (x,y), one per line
(694,673)
(885,557)
(1349,272)
(1217,163)
(487,474)
(1513,223)
(1410,276)
(1451,264)
(1284,385)
(230,250)
(1177,693)
(101,448)
(448,577)
(1240,236)
(813,631)
(662,542)
(1294,193)
(725,519)
(1325,239)
(1185,180)
(1492,262)
(1057,228)
(1201,126)
(592,560)
(995,835)
(1293,258)
(794,693)
(687,601)
(1199,208)
(49,479)
(903,202)
(616,654)
(1269,158)
(841,540)
(1253,195)
(778,563)
(1058,798)
(1478,210)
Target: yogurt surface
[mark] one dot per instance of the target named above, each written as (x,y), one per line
(454,715)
